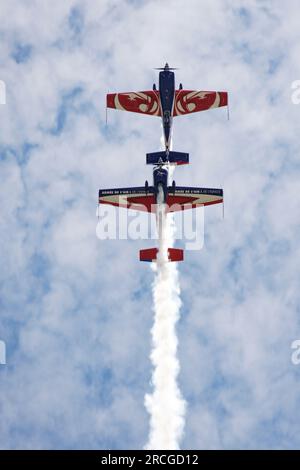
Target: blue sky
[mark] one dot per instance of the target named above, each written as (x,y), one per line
(76,312)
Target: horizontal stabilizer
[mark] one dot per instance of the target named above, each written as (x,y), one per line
(150,254)
(176,158)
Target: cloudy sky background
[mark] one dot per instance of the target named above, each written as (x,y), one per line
(76,312)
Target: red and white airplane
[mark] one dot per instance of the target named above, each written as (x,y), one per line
(167,102)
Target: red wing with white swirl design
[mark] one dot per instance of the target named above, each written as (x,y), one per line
(143,102)
(189,101)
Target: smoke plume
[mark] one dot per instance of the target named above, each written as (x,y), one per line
(165,405)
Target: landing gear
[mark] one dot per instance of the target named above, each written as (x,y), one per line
(180,86)
(154,86)
(173,187)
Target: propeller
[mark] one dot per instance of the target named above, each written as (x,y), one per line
(166,67)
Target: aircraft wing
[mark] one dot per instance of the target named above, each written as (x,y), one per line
(189,198)
(189,101)
(143,102)
(137,198)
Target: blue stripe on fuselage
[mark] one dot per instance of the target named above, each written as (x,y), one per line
(167,90)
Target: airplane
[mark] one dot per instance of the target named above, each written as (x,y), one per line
(167,102)
(149,198)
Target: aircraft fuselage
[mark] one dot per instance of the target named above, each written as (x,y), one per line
(167,93)
(160,180)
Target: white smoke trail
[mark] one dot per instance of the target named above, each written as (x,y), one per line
(165,405)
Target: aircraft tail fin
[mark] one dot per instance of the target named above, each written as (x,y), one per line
(150,254)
